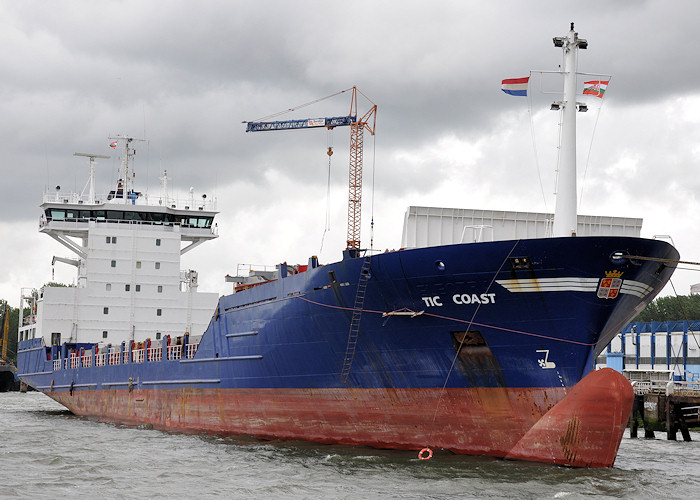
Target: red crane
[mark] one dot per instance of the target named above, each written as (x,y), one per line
(357,128)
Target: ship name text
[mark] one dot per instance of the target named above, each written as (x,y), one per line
(461,299)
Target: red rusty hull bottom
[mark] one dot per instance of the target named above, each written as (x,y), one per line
(582,428)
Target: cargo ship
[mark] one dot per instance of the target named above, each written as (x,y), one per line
(481,348)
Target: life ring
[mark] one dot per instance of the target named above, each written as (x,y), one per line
(421,455)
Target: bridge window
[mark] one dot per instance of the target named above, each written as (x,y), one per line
(69,214)
(133,216)
(158,217)
(56,213)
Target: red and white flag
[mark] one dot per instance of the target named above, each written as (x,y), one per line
(595,88)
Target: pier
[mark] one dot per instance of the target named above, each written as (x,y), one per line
(662,361)
(659,405)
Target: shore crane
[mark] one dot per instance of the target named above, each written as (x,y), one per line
(4,329)
(357,128)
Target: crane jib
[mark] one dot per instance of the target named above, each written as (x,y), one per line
(337,121)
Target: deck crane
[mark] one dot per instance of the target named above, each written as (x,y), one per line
(357,128)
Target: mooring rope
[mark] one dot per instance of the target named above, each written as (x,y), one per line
(470,322)
(461,343)
(510,330)
(656,259)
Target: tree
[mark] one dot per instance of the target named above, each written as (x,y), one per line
(676,308)
(12,312)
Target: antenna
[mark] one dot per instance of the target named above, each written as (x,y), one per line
(127,172)
(92,157)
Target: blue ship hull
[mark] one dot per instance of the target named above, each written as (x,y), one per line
(461,328)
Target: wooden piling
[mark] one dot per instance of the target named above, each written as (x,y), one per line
(671,407)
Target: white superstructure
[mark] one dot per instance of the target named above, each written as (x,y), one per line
(127,251)
(433,226)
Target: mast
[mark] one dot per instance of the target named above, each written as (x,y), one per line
(164,188)
(91,194)
(126,173)
(565,216)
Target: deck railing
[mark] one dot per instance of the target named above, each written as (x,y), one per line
(155,353)
(138,355)
(101,359)
(117,357)
(174,352)
(677,387)
(191,350)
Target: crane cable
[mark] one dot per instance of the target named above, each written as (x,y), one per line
(274,115)
(329,152)
(371,227)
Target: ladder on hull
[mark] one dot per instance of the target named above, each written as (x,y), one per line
(356,318)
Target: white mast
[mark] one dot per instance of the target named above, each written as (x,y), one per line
(91,196)
(164,188)
(565,216)
(126,169)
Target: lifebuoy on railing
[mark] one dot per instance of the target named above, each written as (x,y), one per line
(422,454)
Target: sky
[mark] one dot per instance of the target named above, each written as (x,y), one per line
(186,75)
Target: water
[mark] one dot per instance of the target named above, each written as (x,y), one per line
(46,452)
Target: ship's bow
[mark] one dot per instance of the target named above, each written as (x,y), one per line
(585,428)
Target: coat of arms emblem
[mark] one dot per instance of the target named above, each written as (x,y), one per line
(609,287)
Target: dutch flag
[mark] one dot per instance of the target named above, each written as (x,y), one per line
(515,86)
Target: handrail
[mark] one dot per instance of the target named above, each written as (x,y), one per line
(176,203)
(117,357)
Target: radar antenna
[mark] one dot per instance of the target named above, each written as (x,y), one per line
(91,196)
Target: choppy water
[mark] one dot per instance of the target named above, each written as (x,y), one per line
(46,452)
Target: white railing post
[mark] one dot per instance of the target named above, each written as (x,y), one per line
(669,388)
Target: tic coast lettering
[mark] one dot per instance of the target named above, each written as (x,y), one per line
(461,299)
